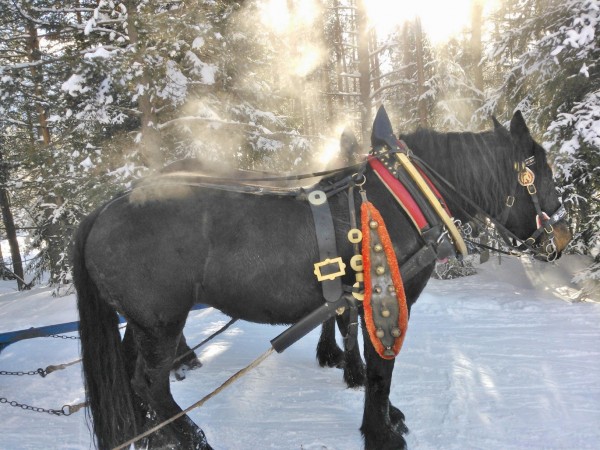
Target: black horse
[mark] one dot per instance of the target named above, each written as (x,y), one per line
(152,253)
(481,165)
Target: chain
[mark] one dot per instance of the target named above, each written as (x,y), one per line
(62,336)
(66,410)
(39,371)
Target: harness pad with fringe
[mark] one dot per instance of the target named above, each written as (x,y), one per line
(385,308)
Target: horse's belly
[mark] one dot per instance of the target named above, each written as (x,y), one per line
(260,287)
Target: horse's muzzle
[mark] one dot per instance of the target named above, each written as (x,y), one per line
(552,245)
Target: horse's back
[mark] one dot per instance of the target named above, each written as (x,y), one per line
(250,256)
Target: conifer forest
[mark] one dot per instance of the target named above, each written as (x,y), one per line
(95,94)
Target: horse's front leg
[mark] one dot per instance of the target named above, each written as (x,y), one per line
(383,424)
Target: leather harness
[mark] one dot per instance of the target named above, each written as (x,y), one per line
(330,269)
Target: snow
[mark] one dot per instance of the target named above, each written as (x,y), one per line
(505,359)
(74,85)
(99,52)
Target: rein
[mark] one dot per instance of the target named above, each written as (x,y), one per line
(528,244)
(249,184)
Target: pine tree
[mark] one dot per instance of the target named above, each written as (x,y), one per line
(551,55)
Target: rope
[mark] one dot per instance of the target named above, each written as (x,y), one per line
(200,402)
(215,334)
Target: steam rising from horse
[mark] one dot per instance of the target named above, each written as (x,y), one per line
(251,256)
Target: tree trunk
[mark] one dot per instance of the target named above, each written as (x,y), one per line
(150,142)
(11,234)
(422,101)
(52,232)
(476,46)
(375,66)
(33,51)
(364,71)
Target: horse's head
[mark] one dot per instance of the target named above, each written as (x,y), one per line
(536,216)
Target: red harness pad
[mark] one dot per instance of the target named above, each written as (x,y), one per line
(399,191)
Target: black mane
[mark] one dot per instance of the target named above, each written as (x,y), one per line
(477,164)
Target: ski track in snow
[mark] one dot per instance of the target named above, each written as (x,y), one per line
(492,361)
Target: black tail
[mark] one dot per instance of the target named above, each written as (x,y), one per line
(108,389)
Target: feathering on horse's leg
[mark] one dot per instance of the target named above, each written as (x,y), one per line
(157,347)
(329,354)
(131,357)
(383,424)
(354,367)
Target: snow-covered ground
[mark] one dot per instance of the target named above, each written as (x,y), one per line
(505,359)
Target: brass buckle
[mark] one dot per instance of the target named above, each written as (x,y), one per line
(341,269)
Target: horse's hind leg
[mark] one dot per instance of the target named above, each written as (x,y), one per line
(383,424)
(185,359)
(354,368)
(329,354)
(156,351)
(130,356)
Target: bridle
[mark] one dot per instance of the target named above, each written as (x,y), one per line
(526,178)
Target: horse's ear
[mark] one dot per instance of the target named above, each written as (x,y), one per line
(518,127)
(500,129)
(519,130)
(349,147)
(497,125)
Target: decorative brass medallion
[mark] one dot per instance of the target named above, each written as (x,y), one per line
(526,177)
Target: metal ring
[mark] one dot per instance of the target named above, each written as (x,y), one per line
(317,198)
(357,263)
(362,182)
(355,235)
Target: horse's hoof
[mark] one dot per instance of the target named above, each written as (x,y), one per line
(355,374)
(397,419)
(354,380)
(180,369)
(393,442)
(331,357)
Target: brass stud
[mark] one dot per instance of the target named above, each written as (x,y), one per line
(380,270)
(385,313)
(391,289)
(379,333)
(377,289)
(396,332)
(378,248)
(373,224)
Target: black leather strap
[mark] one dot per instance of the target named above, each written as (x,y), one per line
(325,233)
